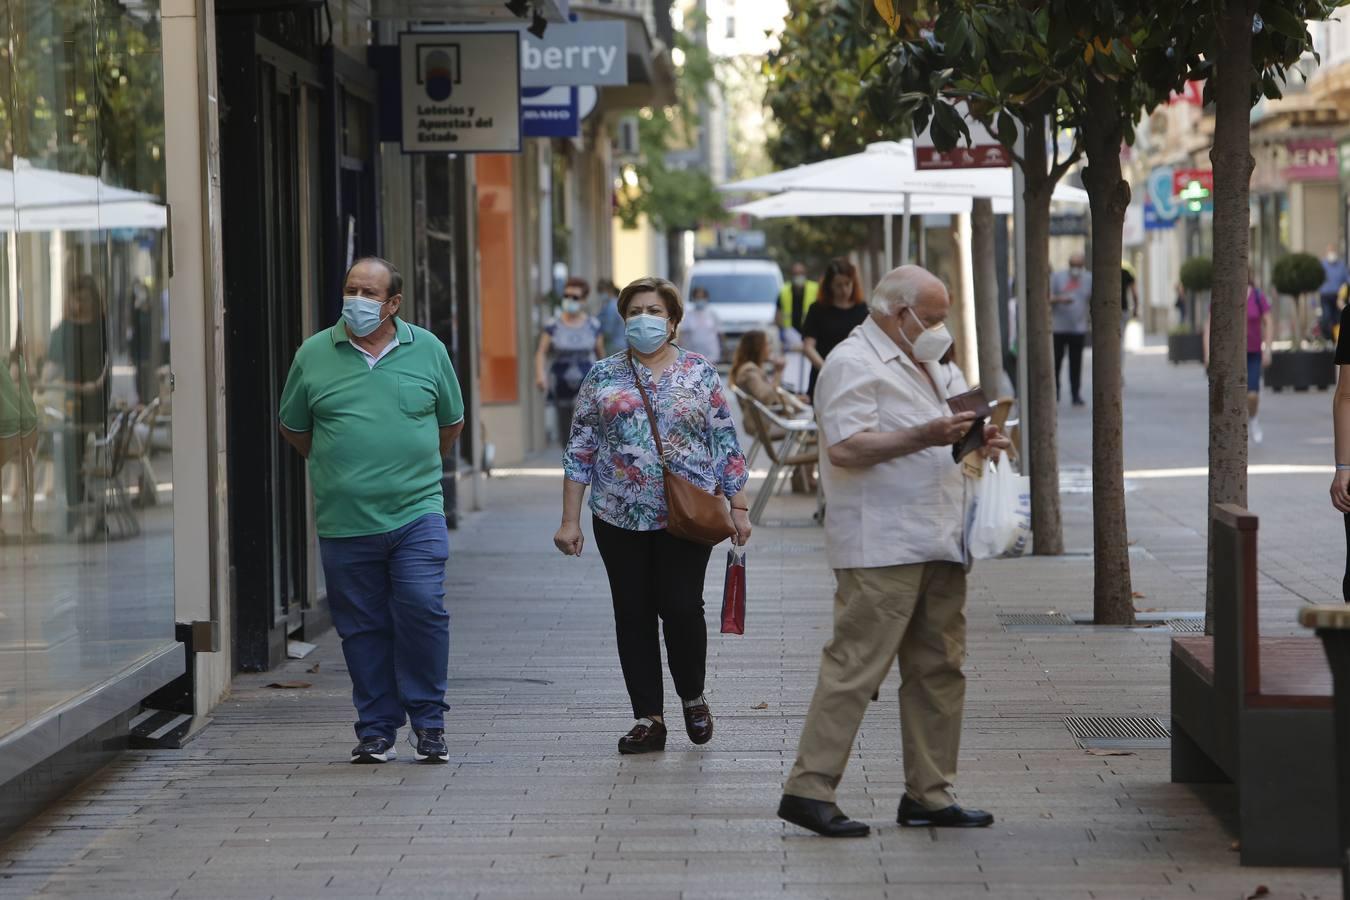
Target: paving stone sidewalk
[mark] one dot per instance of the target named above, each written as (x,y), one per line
(536,802)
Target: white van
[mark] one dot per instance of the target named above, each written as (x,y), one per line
(742,292)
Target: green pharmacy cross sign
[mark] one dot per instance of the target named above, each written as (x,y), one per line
(1196,197)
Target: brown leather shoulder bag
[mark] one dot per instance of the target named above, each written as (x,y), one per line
(692,514)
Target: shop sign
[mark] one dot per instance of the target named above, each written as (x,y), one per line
(550,112)
(1068,224)
(1312,159)
(1134,225)
(981,156)
(1201,179)
(572,53)
(1192,95)
(556,112)
(983,152)
(460,91)
(1161,198)
(1155,222)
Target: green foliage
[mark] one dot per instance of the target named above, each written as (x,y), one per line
(83,91)
(1016,59)
(1197,273)
(815,95)
(673,196)
(1297,273)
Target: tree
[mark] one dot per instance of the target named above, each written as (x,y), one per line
(997,58)
(988,332)
(673,195)
(815,95)
(1294,275)
(1077,61)
(1244,49)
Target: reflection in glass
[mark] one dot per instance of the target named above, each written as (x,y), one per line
(86,488)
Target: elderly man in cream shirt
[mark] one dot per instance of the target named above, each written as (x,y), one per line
(895,536)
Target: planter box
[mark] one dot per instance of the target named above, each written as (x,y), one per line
(1301,370)
(1185,348)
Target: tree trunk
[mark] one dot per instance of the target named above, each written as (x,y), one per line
(1231,157)
(985,275)
(675,257)
(1047,527)
(1109,197)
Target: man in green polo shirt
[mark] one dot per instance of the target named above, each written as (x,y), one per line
(373,404)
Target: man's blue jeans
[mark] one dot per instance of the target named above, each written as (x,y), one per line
(386,593)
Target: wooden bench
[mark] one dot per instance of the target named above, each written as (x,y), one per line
(1332,621)
(1257,712)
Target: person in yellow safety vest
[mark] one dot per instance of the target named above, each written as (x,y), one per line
(796,298)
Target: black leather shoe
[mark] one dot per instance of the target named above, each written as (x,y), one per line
(825,819)
(698,722)
(647,736)
(912,815)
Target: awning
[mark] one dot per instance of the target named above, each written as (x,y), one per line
(651,74)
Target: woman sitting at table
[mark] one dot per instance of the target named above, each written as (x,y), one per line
(748,373)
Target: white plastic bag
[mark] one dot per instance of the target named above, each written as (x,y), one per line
(1021,541)
(994,527)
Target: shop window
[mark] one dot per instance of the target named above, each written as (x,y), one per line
(86,488)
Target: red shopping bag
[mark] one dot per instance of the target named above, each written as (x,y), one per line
(733,592)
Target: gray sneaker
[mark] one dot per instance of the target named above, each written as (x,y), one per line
(374,750)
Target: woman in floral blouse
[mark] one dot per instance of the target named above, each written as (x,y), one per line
(652,575)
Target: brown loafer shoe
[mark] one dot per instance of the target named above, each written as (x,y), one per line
(647,736)
(698,722)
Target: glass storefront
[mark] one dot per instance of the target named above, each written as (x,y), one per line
(86,489)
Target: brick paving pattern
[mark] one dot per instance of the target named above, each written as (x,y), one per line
(535,802)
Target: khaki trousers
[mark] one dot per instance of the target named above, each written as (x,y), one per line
(915,612)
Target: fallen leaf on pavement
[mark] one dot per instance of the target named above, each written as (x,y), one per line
(312,669)
(1138,595)
(760,705)
(1097,751)
(289,685)
(1261,891)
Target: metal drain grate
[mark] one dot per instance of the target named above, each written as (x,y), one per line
(1187,626)
(1118,732)
(1033,620)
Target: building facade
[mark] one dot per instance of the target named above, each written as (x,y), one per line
(183,186)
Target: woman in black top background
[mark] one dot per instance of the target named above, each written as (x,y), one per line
(830,319)
(1340,414)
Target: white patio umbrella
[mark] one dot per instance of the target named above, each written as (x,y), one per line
(34,199)
(839,203)
(887,168)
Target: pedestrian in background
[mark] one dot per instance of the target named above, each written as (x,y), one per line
(895,539)
(1337,278)
(567,349)
(79,363)
(796,298)
(611,323)
(1340,415)
(373,405)
(700,331)
(1070,293)
(832,319)
(654,577)
(1260,333)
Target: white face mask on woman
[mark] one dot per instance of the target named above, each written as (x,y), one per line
(932,344)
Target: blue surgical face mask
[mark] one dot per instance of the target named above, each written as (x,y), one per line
(362,315)
(571,307)
(647,333)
